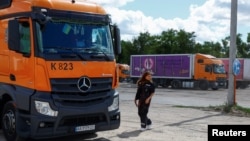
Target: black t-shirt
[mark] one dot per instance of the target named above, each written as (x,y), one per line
(144,90)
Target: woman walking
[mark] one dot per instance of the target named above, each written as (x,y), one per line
(144,94)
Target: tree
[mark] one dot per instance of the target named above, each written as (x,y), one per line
(142,43)
(173,42)
(243,49)
(185,42)
(225,47)
(167,42)
(127,48)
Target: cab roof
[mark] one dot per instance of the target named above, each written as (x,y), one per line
(16,6)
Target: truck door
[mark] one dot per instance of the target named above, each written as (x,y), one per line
(203,71)
(21,60)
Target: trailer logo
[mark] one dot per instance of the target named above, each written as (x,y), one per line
(84,84)
(148,63)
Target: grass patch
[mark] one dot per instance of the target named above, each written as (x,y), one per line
(234,110)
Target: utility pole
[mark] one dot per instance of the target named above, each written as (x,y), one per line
(232,53)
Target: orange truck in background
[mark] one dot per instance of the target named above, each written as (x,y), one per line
(198,70)
(124,71)
(58,74)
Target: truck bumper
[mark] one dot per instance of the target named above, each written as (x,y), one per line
(218,84)
(71,120)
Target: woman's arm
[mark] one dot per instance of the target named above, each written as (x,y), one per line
(136,102)
(152,89)
(149,98)
(137,96)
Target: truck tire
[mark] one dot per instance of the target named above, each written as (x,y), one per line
(241,85)
(121,79)
(134,80)
(8,121)
(156,84)
(203,84)
(215,88)
(176,84)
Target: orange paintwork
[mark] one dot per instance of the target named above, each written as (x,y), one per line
(79,6)
(123,67)
(34,73)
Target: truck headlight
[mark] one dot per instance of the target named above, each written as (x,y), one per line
(216,84)
(114,105)
(45,109)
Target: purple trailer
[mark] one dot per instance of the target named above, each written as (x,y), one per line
(164,66)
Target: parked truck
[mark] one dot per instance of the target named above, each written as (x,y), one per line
(180,70)
(124,72)
(58,73)
(243,78)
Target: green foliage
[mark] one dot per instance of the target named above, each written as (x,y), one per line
(232,109)
(180,42)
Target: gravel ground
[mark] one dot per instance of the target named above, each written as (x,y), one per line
(171,124)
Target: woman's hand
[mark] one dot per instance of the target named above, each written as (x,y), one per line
(136,103)
(147,100)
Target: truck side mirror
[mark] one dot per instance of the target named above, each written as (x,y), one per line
(13,35)
(5,4)
(117,40)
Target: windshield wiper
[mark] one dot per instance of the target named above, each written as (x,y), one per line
(107,58)
(74,52)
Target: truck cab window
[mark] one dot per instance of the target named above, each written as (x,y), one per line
(208,68)
(76,36)
(200,61)
(219,69)
(24,30)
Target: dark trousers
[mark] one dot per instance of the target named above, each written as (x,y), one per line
(143,112)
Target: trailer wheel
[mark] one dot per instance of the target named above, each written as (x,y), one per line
(176,84)
(215,88)
(134,80)
(156,84)
(9,122)
(241,85)
(121,79)
(203,84)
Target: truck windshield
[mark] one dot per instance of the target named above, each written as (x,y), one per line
(85,41)
(219,69)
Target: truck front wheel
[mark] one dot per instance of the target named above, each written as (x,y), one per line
(9,122)
(203,84)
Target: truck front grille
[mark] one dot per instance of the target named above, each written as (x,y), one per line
(83,120)
(66,92)
(221,79)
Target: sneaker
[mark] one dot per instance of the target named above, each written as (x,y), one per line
(143,129)
(149,127)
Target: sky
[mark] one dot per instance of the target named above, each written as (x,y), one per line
(208,19)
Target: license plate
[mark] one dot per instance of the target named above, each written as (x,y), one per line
(84,128)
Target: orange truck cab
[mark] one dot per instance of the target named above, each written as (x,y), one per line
(124,71)
(209,71)
(58,73)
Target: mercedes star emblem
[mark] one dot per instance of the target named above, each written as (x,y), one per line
(84,84)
